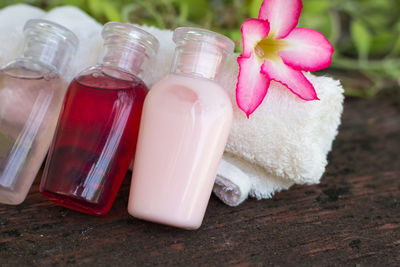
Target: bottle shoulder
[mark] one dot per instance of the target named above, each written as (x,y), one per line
(209,95)
(105,77)
(25,68)
(204,87)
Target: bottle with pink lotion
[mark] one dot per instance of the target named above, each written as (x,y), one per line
(184,129)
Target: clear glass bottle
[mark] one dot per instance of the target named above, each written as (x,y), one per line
(96,134)
(31,92)
(185,126)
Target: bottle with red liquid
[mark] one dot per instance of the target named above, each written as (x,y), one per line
(97,130)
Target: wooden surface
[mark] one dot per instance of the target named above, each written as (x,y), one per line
(352,218)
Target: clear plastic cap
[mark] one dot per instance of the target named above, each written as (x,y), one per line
(200,52)
(127,47)
(49,43)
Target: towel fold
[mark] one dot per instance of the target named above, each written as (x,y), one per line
(285,141)
(233,183)
(238,178)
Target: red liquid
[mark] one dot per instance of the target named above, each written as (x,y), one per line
(95,140)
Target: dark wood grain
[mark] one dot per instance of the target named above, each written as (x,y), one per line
(352,218)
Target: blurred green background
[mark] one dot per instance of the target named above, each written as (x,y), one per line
(364,33)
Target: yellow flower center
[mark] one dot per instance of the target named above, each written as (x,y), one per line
(268,48)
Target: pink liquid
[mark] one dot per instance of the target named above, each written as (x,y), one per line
(29,106)
(183,133)
(95,140)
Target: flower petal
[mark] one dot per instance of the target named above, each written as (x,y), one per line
(252,85)
(294,80)
(283,15)
(306,49)
(253,31)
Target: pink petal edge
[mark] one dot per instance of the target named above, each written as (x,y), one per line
(307,49)
(252,85)
(294,80)
(283,15)
(253,31)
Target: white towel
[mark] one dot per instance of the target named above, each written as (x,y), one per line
(13,18)
(285,141)
(12,21)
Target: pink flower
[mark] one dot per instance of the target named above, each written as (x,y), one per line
(274,49)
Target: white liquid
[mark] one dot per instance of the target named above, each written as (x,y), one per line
(183,133)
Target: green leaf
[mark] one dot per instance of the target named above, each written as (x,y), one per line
(78,3)
(183,12)
(396,47)
(396,44)
(318,23)
(196,9)
(315,15)
(316,7)
(378,22)
(361,37)
(96,7)
(381,43)
(255,8)
(235,35)
(111,12)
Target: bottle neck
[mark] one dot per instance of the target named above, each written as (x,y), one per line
(198,59)
(49,44)
(48,55)
(127,47)
(128,57)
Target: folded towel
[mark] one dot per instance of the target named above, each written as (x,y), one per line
(285,141)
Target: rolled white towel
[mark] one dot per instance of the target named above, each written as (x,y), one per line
(233,187)
(233,183)
(12,21)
